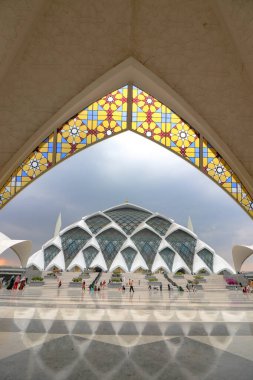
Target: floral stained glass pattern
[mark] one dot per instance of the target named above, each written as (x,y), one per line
(100,120)
(40,160)
(34,165)
(218,169)
(157,122)
(7,191)
(133,109)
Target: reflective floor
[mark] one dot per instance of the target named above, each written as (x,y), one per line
(46,333)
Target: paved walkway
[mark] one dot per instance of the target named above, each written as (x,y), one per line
(49,333)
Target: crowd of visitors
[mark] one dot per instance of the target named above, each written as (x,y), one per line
(14,283)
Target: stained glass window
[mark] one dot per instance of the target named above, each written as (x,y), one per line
(129,256)
(96,223)
(49,254)
(102,119)
(159,224)
(33,166)
(128,219)
(89,255)
(109,116)
(168,256)
(37,162)
(8,191)
(157,122)
(147,242)
(110,242)
(184,244)
(207,257)
(217,168)
(72,241)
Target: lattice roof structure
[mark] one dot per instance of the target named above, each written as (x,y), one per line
(128,237)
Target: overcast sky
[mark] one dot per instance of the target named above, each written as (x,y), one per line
(126,167)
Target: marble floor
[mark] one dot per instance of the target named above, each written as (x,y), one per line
(49,333)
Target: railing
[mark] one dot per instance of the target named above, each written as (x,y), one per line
(94,282)
(170,281)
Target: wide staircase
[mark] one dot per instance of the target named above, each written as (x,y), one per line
(214,283)
(66,278)
(139,280)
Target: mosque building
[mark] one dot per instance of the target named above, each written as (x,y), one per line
(128,237)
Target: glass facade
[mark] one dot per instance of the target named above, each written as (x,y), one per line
(147,243)
(159,224)
(110,242)
(207,257)
(89,255)
(128,219)
(129,256)
(168,256)
(49,254)
(144,244)
(72,241)
(184,244)
(96,223)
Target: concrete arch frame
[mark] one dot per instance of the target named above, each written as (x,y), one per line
(129,72)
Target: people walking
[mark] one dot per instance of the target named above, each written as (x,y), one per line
(16,282)
(22,283)
(10,283)
(131,284)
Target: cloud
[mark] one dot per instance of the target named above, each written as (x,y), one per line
(127,167)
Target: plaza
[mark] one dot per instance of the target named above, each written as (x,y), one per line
(66,333)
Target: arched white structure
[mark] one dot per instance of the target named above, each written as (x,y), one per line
(22,248)
(128,237)
(39,154)
(240,254)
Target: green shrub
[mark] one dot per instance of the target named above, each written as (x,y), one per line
(77,279)
(51,274)
(152,279)
(179,273)
(115,275)
(198,277)
(116,279)
(37,278)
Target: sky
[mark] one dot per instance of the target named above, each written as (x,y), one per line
(126,167)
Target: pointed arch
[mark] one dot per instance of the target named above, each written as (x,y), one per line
(183,269)
(145,109)
(118,266)
(72,266)
(52,265)
(205,268)
(138,268)
(35,266)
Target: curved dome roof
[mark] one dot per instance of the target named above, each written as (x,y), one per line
(129,237)
(22,248)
